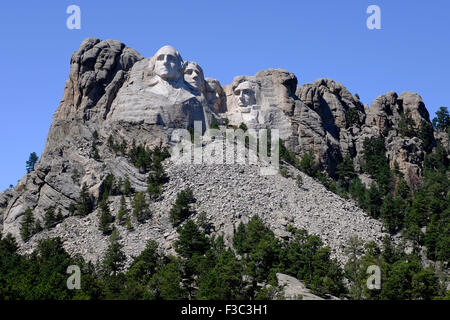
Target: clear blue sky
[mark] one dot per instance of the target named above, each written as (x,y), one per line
(312,39)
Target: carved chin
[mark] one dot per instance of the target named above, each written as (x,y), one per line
(166,75)
(195,85)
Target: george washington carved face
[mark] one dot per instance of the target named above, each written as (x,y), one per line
(168,63)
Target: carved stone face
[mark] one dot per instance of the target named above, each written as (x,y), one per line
(193,75)
(245,94)
(168,63)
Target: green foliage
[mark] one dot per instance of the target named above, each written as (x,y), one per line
(31,162)
(376,163)
(180,210)
(27,226)
(206,269)
(191,241)
(95,153)
(399,285)
(425,134)
(306,259)
(144,265)
(39,276)
(116,147)
(351,117)
(123,213)
(165,283)
(308,164)
(222,281)
(284,172)
(374,198)
(75,176)
(51,219)
(299,181)
(243,126)
(402,276)
(105,217)
(345,170)
(109,186)
(127,189)
(156,179)
(140,157)
(392,213)
(85,203)
(442,119)
(140,207)
(37,227)
(288,156)
(72,209)
(406,125)
(114,259)
(214,125)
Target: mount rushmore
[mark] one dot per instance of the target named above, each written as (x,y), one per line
(114,91)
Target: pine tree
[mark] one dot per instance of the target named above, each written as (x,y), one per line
(442,119)
(122,215)
(345,170)
(37,227)
(59,216)
(27,225)
(114,259)
(180,210)
(105,218)
(156,179)
(191,241)
(299,181)
(85,205)
(111,142)
(127,190)
(49,218)
(140,207)
(407,125)
(95,153)
(308,165)
(351,117)
(31,162)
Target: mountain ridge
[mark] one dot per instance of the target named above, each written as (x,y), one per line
(107,78)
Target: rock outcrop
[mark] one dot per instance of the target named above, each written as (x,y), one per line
(293,289)
(113,91)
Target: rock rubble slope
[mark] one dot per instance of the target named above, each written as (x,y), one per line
(114,91)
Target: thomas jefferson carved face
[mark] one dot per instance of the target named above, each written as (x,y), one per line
(245,94)
(168,63)
(193,75)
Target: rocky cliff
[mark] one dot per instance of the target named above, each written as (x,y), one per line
(113,91)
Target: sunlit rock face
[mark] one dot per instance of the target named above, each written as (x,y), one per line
(193,76)
(265,100)
(163,93)
(156,94)
(114,91)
